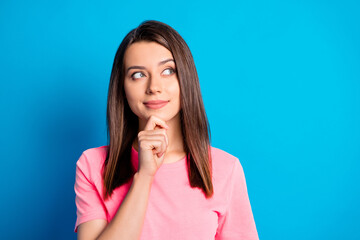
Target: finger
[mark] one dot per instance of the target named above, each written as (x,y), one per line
(162,150)
(145,138)
(158,137)
(155,133)
(157,146)
(153,122)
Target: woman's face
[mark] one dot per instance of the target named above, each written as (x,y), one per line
(151,84)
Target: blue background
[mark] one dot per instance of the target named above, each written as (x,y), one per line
(280,82)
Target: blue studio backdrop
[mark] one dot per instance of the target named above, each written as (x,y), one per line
(281,87)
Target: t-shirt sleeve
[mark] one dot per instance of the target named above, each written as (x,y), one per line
(88,201)
(237,222)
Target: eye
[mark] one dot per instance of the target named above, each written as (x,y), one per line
(168,71)
(137,75)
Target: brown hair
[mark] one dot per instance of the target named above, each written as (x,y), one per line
(122,123)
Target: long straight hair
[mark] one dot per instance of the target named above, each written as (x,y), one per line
(122,123)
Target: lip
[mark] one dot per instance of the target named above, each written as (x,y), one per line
(155,104)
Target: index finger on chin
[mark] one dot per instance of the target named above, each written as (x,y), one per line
(155,123)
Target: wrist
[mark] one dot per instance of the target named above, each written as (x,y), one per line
(143,177)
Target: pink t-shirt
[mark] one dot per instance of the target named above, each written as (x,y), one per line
(175,209)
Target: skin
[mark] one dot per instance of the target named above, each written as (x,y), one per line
(151,76)
(158,81)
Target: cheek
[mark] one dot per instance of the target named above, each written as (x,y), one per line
(130,94)
(174,89)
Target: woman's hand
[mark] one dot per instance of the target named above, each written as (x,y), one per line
(153,142)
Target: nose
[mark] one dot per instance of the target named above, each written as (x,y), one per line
(154,85)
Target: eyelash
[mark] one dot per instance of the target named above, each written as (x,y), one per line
(170,68)
(132,75)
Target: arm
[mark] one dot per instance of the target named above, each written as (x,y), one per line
(128,221)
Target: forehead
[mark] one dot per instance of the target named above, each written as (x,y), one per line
(145,53)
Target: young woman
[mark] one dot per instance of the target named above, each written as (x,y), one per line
(159,178)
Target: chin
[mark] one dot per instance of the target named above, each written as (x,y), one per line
(162,116)
(165,116)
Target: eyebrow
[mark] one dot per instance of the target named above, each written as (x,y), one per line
(142,67)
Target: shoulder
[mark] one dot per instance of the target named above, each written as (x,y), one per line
(225,166)
(92,160)
(223,160)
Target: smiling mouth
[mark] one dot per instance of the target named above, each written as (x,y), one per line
(155,104)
